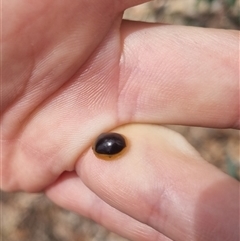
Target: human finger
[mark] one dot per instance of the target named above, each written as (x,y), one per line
(70,193)
(179,75)
(163,182)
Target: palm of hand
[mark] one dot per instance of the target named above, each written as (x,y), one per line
(61,85)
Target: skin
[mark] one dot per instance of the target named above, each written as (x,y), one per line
(72,71)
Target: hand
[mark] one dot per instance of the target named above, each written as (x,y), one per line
(71,72)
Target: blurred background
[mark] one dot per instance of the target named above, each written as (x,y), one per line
(28,217)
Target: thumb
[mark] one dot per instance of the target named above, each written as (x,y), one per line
(162,181)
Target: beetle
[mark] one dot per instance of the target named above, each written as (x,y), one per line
(109,145)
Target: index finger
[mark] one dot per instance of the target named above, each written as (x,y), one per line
(179,75)
(163,182)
